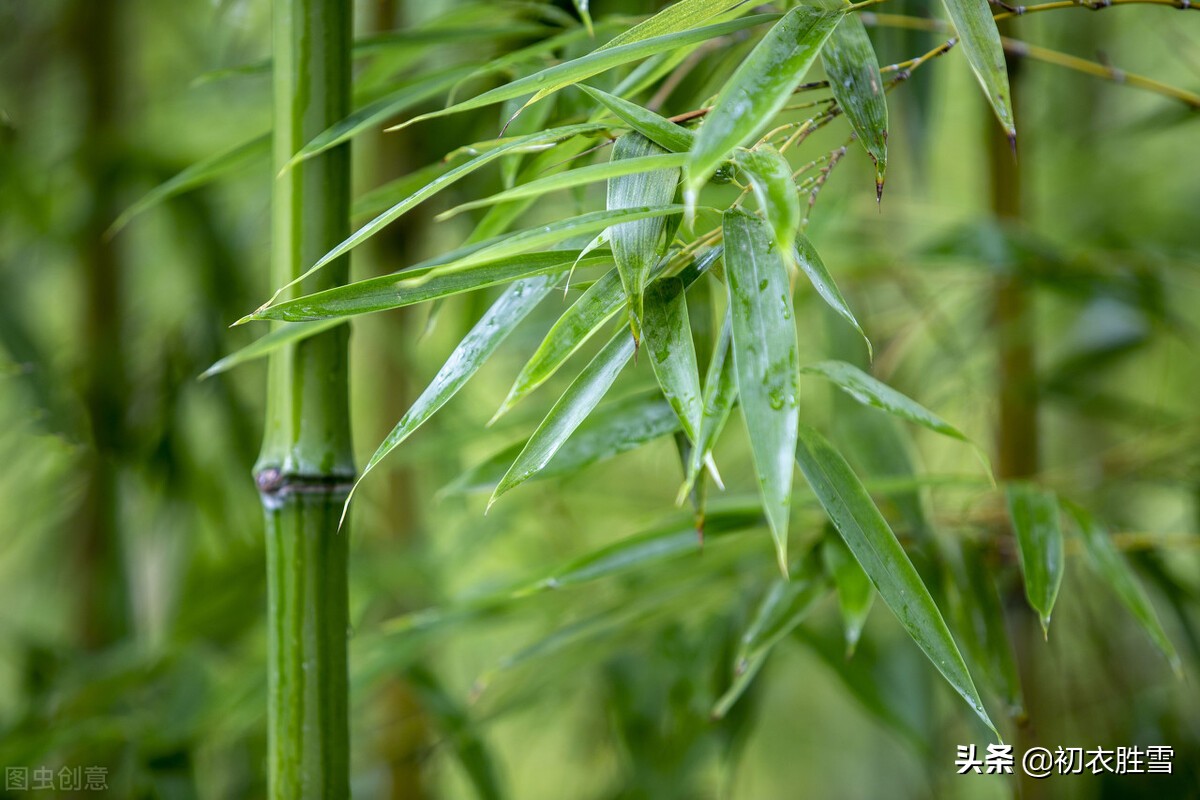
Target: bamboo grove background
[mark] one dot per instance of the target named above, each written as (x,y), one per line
(132,576)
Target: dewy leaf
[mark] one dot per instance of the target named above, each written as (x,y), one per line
(853,72)
(720,394)
(771,180)
(264,346)
(576,325)
(1108,563)
(855,593)
(981,42)
(873,544)
(668,339)
(198,174)
(765,361)
(676,17)
(658,129)
(572,178)
(638,245)
(759,88)
(981,618)
(562,75)
(476,347)
(811,265)
(417,284)
(1034,514)
(567,414)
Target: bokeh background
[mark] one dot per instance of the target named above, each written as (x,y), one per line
(132,583)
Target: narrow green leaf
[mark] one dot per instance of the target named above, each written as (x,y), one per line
(386,195)
(770,178)
(983,627)
(1034,514)
(613,428)
(637,246)
(198,174)
(1110,565)
(417,284)
(765,361)
(676,17)
(811,265)
(476,347)
(853,71)
(720,394)
(759,88)
(265,345)
(585,15)
(660,130)
(581,176)
(562,75)
(875,547)
(567,414)
(668,337)
(855,593)
(981,42)
(374,114)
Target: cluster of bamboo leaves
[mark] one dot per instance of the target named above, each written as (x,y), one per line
(634,262)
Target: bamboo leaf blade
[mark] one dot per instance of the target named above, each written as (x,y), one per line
(855,593)
(668,339)
(811,265)
(720,395)
(568,413)
(675,18)
(876,548)
(660,130)
(765,361)
(775,190)
(853,71)
(759,88)
(1035,521)
(982,622)
(285,334)
(981,43)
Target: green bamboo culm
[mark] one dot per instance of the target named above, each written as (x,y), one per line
(306,466)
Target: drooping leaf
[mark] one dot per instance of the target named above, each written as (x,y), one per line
(759,88)
(202,172)
(668,339)
(855,593)
(637,246)
(562,75)
(571,409)
(982,624)
(873,544)
(265,345)
(720,394)
(981,42)
(765,361)
(1112,567)
(585,15)
(660,130)
(580,176)
(853,71)
(613,428)
(476,347)
(1034,515)
(771,180)
(417,284)
(811,265)
(676,17)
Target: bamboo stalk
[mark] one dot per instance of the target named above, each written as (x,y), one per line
(306,465)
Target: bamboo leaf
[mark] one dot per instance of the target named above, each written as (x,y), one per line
(287,333)
(562,75)
(198,174)
(875,547)
(418,284)
(1110,565)
(770,178)
(660,130)
(386,195)
(811,265)
(668,336)
(759,88)
(476,347)
(981,42)
(855,593)
(1034,515)
(613,428)
(676,17)
(853,71)
(585,15)
(720,394)
(637,246)
(581,176)
(765,361)
(571,409)
(984,629)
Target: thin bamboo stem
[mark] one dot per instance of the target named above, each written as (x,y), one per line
(306,465)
